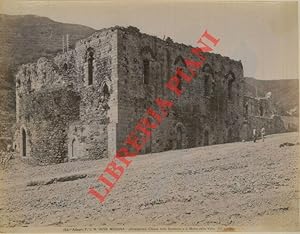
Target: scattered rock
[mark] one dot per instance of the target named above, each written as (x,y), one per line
(288,144)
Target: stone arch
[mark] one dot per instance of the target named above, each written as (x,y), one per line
(179,60)
(230,77)
(89,51)
(147,55)
(105,90)
(74,148)
(207,68)
(65,66)
(208,76)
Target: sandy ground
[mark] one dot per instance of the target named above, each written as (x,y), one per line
(238,186)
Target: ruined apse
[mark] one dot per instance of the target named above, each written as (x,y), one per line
(82,103)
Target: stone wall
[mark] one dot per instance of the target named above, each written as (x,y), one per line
(272,125)
(260,112)
(291,123)
(43,124)
(201,115)
(98,106)
(259,106)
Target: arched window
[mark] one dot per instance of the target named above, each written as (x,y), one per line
(246,108)
(146,66)
(90,66)
(231,78)
(180,81)
(106,91)
(65,66)
(29,84)
(208,73)
(180,64)
(147,55)
(74,148)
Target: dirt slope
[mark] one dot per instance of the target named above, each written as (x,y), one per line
(239,185)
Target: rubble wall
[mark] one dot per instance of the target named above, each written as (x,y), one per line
(44,119)
(89,93)
(204,114)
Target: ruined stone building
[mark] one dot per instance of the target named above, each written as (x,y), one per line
(82,103)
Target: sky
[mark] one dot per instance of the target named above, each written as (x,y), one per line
(263,35)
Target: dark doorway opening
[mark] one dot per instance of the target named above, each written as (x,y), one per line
(73,148)
(90,68)
(206,138)
(229,137)
(24,150)
(179,138)
(148,148)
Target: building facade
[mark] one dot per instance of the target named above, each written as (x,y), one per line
(82,103)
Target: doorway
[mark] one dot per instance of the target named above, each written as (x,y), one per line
(206,138)
(24,140)
(179,138)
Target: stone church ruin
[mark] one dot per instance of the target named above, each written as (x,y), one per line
(83,103)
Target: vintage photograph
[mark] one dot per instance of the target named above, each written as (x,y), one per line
(149,116)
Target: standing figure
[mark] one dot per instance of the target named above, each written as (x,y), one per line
(263,132)
(254,135)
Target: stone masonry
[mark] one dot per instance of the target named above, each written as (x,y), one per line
(82,103)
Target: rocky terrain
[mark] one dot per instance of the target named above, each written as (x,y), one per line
(236,186)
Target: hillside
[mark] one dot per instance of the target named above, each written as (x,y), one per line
(24,39)
(285,93)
